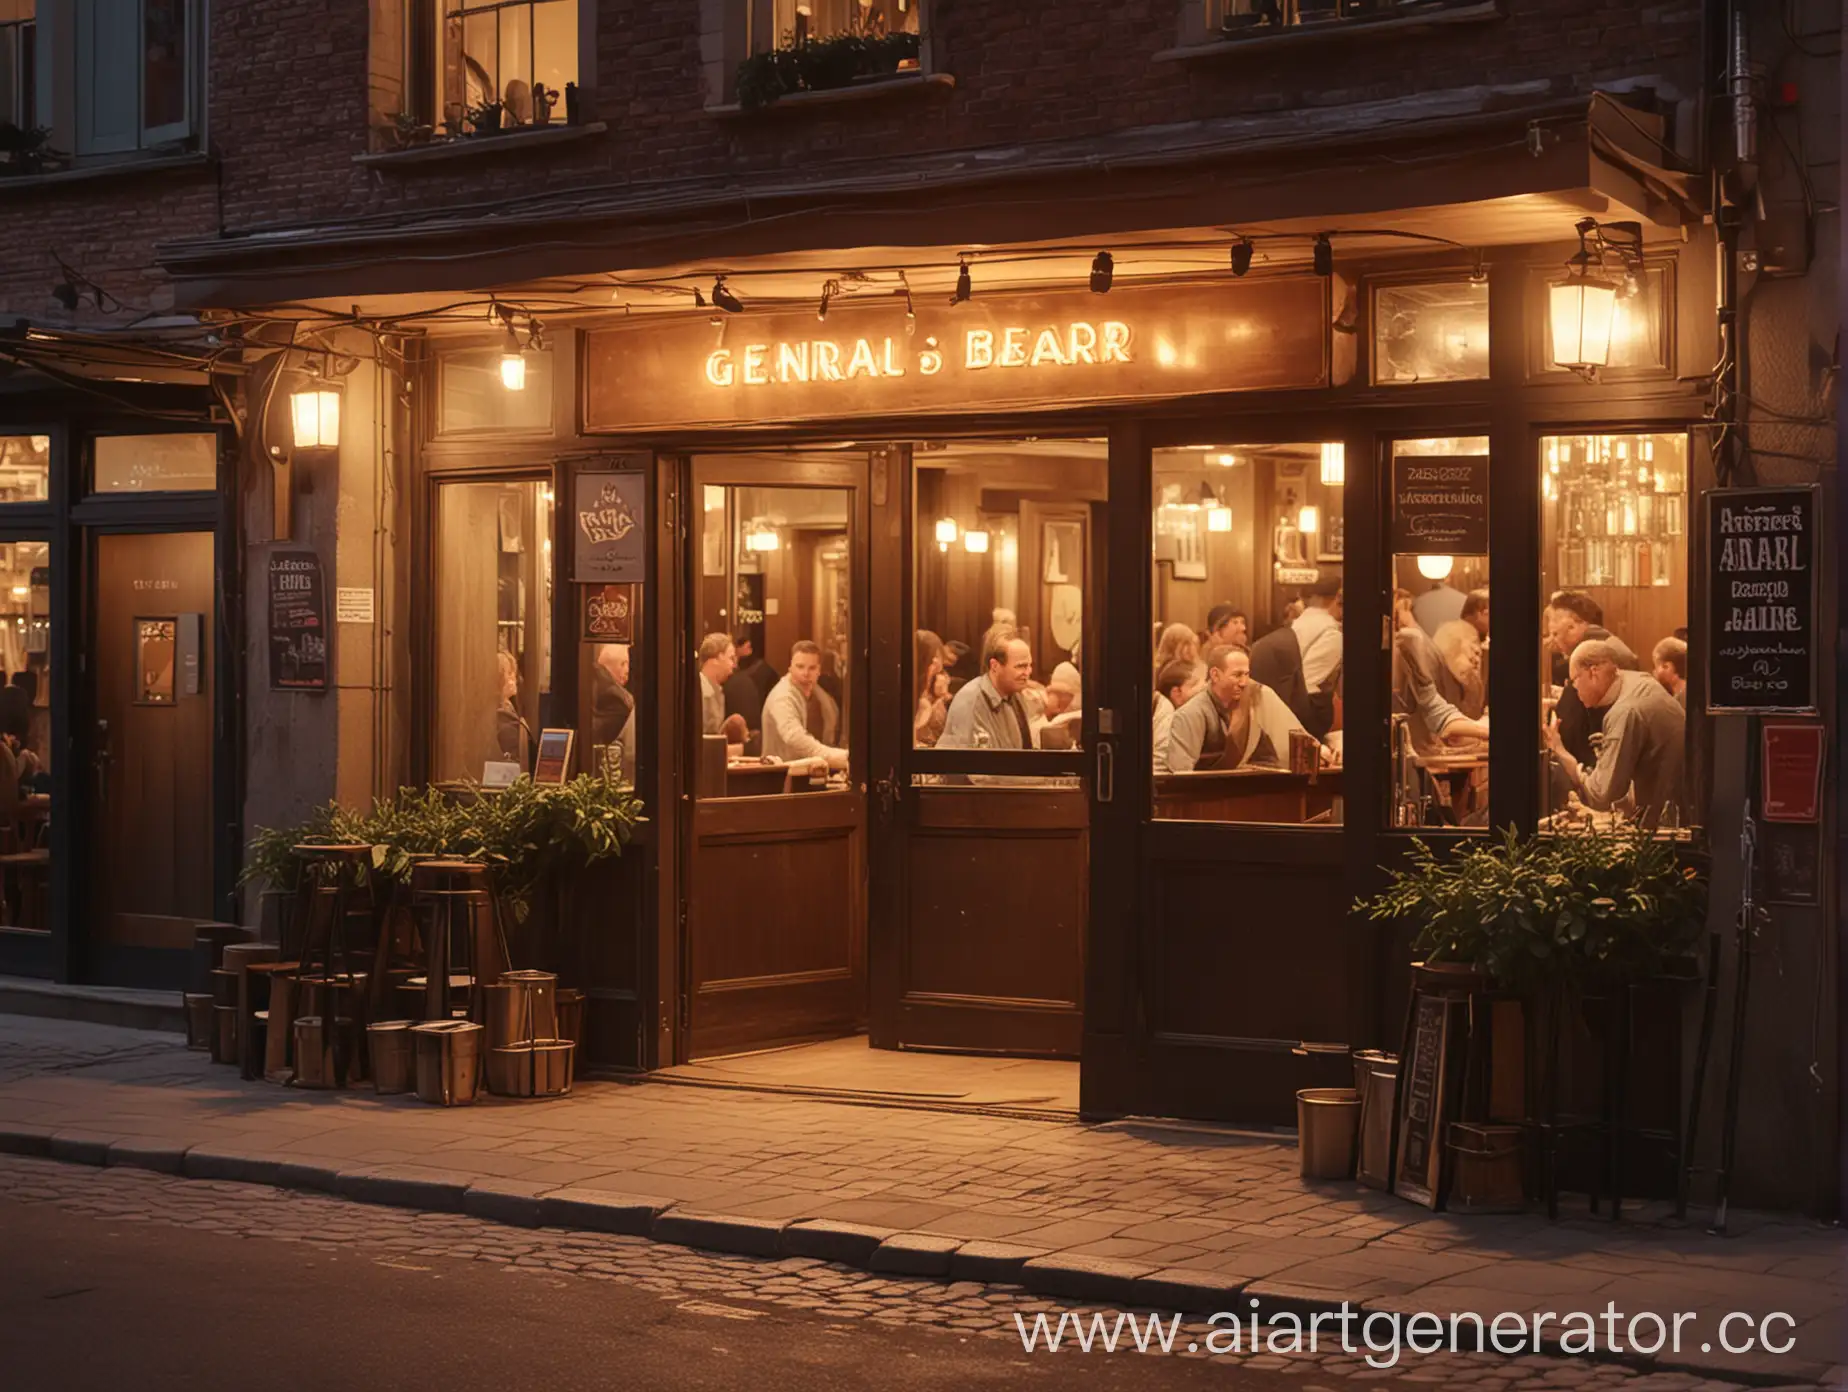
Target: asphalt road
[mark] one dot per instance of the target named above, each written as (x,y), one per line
(98,1303)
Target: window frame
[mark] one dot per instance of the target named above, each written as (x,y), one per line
(74,53)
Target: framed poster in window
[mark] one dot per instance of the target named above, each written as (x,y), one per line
(554,761)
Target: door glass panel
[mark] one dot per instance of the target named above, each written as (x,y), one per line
(1438,738)
(773,669)
(25,726)
(1001,595)
(493,601)
(156,463)
(1248,553)
(1614,568)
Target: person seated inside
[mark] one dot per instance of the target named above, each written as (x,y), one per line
(1573,617)
(793,705)
(1226,627)
(1232,722)
(988,713)
(1062,709)
(612,707)
(1175,685)
(509,727)
(1639,762)
(1460,677)
(1671,668)
(748,687)
(1177,643)
(927,667)
(718,659)
(1417,669)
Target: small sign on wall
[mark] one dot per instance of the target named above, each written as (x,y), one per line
(1440,505)
(1761,609)
(611,514)
(297,622)
(609,614)
(353,606)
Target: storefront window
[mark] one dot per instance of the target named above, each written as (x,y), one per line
(491,389)
(493,602)
(25,727)
(1614,563)
(25,468)
(1435,332)
(774,670)
(1002,535)
(156,463)
(1439,542)
(1249,546)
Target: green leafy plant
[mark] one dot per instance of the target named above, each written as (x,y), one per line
(820,65)
(1581,911)
(26,149)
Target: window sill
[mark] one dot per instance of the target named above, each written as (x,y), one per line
(1336,31)
(481,146)
(110,169)
(904,84)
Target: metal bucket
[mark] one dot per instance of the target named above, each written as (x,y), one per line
(1364,1059)
(571,1015)
(552,1066)
(448,1061)
(314,1053)
(540,1007)
(510,1070)
(394,1061)
(198,1019)
(1327,1129)
(224,1034)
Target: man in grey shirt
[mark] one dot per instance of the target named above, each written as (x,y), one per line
(786,732)
(987,713)
(1640,759)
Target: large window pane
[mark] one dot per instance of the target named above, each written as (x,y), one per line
(492,596)
(1439,734)
(1614,562)
(163,64)
(156,463)
(497,52)
(25,468)
(25,727)
(801,21)
(476,394)
(1249,547)
(1003,543)
(1436,332)
(18,61)
(774,671)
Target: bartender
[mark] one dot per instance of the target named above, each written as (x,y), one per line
(1232,722)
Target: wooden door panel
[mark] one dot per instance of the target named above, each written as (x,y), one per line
(154,821)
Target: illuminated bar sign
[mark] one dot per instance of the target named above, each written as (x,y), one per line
(997,352)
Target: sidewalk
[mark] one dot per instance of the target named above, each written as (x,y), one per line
(1127,1213)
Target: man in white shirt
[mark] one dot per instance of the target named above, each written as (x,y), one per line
(1175,686)
(786,733)
(1318,632)
(718,659)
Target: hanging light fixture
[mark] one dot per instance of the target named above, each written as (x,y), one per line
(1309,520)
(1103,273)
(946,532)
(964,287)
(724,298)
(761,536)
(315,413)
(1219,518)
(1436,567)
(975,540)
(1241,255)
(1334,464)
(513,362)
(829,289)
(1582,308)
(1324,255)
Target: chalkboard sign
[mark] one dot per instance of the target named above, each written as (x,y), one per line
(612,532)
(609,614)
(297,622)
(1440,505)
(1424,1100)
(1761,607)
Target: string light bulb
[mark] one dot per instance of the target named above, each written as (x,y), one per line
(964,287)
(513,363)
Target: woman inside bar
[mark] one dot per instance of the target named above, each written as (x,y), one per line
(926,667)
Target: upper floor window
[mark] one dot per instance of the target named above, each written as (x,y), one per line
(805,21)
(135,73)
(499,64)
(1236,18)
(18,63)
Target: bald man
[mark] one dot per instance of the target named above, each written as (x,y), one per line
(1639,760)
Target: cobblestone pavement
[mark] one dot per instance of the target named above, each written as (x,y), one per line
(1128,1208)
(724,1287)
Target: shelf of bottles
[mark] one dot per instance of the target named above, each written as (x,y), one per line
(1618,506)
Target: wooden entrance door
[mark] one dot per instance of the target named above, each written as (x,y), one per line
(981,872)
(151,662)
(774,884)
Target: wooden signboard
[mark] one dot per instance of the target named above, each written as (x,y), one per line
(1761,604)
(997,351)
(1440,505)
(297,622)
(1424,1100)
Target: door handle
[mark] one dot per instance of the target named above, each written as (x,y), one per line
(1106,771)
(101,760)
(890,795)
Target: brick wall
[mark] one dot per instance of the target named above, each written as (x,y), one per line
(295,85)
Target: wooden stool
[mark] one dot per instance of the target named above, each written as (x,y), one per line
(324,935)
(259,996)
(464,928)
(238,958)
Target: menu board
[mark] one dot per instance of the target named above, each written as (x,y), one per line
(1761,605)
(1424,1100)
(1440,505)
(297,622)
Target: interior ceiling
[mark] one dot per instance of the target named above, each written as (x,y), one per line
(881,271)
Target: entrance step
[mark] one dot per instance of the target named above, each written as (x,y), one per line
(121,1006)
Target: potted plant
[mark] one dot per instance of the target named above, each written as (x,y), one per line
(25,149)
(485,119)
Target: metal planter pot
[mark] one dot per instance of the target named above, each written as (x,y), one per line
(1327,1130)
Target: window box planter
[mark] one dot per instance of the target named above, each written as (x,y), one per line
(827,65)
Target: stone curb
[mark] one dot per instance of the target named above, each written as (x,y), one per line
(1092,1280)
